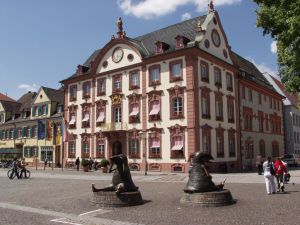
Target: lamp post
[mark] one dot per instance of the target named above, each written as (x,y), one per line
(143,137)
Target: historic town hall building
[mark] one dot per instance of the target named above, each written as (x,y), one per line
(160,97)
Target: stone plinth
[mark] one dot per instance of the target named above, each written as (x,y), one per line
(208,199)
(113,199)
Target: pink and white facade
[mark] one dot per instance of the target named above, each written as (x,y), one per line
(157,98)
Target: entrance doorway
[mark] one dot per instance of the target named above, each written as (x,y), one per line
(117,148)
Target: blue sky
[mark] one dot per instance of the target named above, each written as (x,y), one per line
(43,41)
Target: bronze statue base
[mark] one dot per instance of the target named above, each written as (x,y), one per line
(113,199)
(208,199)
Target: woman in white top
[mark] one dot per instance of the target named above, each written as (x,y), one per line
(268,168)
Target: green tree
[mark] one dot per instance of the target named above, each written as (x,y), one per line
(281,19)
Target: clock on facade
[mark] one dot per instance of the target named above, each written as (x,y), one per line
(215,38)
(117,55)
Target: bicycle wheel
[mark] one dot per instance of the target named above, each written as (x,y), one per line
(27,174)
(10,174)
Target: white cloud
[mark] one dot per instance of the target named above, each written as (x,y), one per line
(274,47)
(186,16)
(263,68)
(149,9)
(28,87)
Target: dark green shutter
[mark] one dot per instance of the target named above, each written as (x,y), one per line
(8,134)
(23,131)
(15,133)
(30,132)
(32,111)
(47,109)
(0,134)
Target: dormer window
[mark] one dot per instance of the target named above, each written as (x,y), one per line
(2,118)
(24,115)
(181,41)
(161,47)
(59,109)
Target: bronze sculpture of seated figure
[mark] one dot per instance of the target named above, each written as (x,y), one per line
(121,180)
(199,178)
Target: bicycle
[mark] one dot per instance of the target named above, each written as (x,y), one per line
(70,165)
(20,172)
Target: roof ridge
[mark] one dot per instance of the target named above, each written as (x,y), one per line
(173,25)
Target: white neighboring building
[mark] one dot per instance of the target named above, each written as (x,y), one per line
(291,116)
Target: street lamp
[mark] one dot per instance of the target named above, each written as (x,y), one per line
(143,137)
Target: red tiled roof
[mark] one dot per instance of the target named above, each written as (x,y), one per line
(6,98)
(293,97)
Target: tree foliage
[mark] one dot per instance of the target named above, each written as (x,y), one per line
(281,19)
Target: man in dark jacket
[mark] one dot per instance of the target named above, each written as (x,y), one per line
(15,169)
(77,162)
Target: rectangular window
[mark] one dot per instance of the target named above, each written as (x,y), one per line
(205,144)
(204,69)
(154,148)
(86,90)
(230,106)
(117,115)
(243,92)
(249,150)
(72,148)
(231,145)
(154,75)
(45,109)
(250,95)
(100,150)
(101,116)
(219,110)
(117,84)
(177,106)
(134,148)
(134,80)
(101,86)
(259,98)
(86,119)
(73,93)
(86,147)
(218,78)
(46,153)
(155,108)
(205,103)
(72,122)
(176,70)
(220,146)
(229,82)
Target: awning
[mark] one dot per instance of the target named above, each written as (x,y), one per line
(72,122)
(134,113)
(154,111)
(100,118)
(10,151)
(177,147)
(86,117)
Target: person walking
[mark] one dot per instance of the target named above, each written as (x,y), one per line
(15,165)
(77,163)
(269,172)
(280,169)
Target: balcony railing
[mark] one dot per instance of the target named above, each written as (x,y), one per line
(113,126)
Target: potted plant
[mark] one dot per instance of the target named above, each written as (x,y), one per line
(104,163)
(85,165)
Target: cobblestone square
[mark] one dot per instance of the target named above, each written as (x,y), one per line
(64,198)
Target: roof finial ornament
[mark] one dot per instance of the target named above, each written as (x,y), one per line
(198,26)
(211,7)
(121,33)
